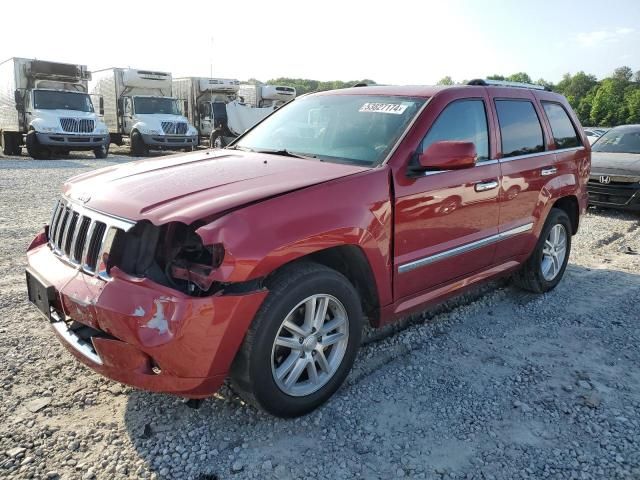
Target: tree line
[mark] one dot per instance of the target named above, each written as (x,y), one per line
(611,101)
(304,85)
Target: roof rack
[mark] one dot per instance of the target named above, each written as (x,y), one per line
(505,83)
(360,84)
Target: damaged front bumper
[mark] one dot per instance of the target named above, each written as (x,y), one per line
(138,332)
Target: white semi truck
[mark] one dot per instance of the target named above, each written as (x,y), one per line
(214,106)
(46,107)
(138,105)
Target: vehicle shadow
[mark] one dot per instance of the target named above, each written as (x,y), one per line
(611,212)
(227,438)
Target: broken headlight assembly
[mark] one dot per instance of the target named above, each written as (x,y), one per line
(172,255)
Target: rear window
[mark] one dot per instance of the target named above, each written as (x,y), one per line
(520,128)
(564,133)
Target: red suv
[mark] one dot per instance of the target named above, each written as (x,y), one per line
(262,261)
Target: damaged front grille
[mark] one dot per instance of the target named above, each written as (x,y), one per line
(83,237)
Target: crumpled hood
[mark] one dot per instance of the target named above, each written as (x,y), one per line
(196,185)
(605,163)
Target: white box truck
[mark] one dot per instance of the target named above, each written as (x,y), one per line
(139,106)
(215,109)
(46,106)
(266,95)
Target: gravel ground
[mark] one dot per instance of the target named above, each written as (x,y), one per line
(499,384)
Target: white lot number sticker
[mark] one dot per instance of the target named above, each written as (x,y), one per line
(394,108)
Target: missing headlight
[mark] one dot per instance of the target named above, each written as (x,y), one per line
(172,255)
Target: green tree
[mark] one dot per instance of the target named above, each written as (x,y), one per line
(608,107)
(445,81)
(542,82)
(576,87)
(623,73)
(632,103)
(496,77)
(519,77)
(304,85)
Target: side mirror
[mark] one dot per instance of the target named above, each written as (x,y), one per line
(447,155)
(101,106)
(17,96)
(185,107)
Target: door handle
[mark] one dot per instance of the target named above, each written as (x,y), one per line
(548,171)
(484,186)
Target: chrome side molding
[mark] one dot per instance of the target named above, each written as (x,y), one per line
(421,262)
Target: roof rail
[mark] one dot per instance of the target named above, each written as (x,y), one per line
(506,83)
(360,84)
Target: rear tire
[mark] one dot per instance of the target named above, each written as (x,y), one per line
(101,152)
(138,147)
(35,150)
(10,144)
(264,371)
(546,266)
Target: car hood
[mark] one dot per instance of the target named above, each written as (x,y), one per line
(605,163)
(197,185)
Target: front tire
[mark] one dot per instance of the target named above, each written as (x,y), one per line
(546,266)
(138,147)
(35,150)
(302,343)
(101,152)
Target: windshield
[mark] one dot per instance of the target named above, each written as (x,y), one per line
(352,128)
(619,141)
(143,105)
(52,100)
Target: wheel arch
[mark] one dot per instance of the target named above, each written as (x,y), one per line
(350,261)
(569,204)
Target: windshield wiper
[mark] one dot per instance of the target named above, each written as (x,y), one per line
(285,153)
(238,147)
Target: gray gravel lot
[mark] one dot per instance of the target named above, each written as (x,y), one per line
(499,384)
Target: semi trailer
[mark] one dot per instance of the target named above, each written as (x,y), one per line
(139,108)
(46,107)
(218,110)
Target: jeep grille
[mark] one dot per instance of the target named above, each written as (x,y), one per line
(83,237)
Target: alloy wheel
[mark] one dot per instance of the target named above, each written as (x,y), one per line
(310,345)
(554,252)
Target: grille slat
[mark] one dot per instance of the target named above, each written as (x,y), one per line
(61,228)
(55,219)
(78,242)
(81,236)
(95,243)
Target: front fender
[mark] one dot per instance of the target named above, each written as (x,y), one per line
(354,210)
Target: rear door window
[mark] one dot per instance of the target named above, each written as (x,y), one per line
(464,121)
(520,128)
(564,133)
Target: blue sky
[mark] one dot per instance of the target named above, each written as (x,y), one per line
(399,42)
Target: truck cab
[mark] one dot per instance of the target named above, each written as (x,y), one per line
(52,111)
(140,107)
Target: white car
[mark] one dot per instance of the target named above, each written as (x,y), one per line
(594,133)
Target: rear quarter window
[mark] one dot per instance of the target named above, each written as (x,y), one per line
(564,133)
(520,128)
